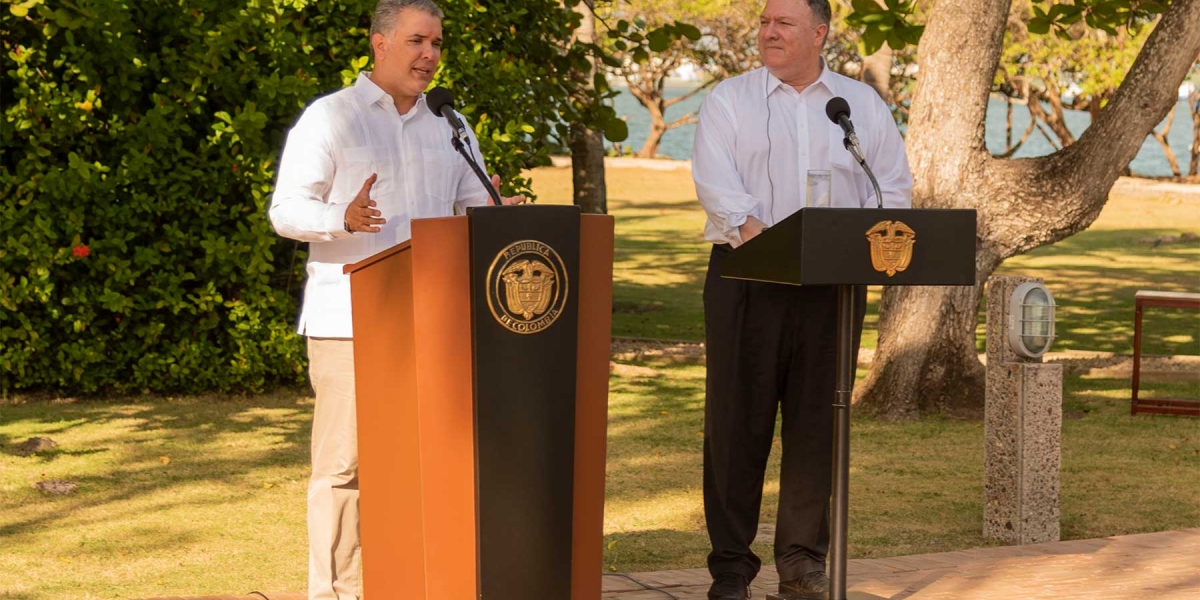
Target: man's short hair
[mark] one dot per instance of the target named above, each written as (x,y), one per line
(387,11)
(820,9)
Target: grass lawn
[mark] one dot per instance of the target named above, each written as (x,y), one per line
(206,495)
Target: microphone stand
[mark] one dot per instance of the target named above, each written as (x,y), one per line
(483,178)
(851,143)
(839,508)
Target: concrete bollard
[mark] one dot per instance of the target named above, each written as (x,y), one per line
(1022,432)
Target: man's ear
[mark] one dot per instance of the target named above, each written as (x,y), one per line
(379,45)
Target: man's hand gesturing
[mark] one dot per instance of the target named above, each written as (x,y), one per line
(361,214)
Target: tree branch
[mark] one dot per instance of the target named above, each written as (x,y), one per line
(1161,137)
(1046,134)
(688,119)
(1149,91)
(1061,194)
(1194,105)
(701,88)
(1028,131)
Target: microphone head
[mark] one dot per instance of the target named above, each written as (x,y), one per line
(836,108)
(440,97)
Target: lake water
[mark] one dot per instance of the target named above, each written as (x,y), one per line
(1150,160)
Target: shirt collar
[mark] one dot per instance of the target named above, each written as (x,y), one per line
(825,78)
(369,93)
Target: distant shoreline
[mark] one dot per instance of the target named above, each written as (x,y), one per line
(1182,185)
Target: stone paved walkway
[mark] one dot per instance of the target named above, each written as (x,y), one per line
(1156,566)
(1162,565)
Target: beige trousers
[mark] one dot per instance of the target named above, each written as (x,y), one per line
(334,563)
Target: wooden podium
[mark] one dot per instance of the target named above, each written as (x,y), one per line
(481,350)
(848,247)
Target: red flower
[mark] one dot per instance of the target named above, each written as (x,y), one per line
(235,167)
(81,251)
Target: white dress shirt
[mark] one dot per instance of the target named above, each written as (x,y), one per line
(339,141)
(758,138)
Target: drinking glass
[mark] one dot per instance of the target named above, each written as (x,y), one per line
(818,189)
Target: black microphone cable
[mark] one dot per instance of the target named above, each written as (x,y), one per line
(769,181)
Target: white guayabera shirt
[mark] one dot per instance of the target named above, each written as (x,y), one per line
(759,137)
(339,141)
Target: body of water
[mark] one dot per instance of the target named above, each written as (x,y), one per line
(1150,160)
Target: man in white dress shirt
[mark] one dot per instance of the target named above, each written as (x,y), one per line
(770,345)
(358,166)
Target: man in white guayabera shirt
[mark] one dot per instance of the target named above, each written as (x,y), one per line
(358,166)
(768,345)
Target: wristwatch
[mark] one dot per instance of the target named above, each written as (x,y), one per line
(346,226)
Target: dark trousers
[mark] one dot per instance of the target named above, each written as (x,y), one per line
(769,344)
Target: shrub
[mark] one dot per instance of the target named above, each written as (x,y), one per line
(139,149)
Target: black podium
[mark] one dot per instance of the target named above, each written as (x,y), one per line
(847,247)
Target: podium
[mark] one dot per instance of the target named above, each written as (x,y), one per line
(847,247)
(481,351)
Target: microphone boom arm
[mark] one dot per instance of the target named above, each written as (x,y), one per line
(483,178)
(851,143)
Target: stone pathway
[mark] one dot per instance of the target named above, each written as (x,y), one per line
(1156,566)
(1162,565)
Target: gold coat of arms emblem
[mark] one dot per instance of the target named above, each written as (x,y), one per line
(891,246)
(527,287)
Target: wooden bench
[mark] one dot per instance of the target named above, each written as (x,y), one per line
(1165,406)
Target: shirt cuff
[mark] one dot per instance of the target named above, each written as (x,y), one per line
(335,220)
(736,220)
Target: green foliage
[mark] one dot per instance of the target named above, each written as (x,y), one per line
(138,154)
(895,22)
(519,80)
(1105,15)
(890,23)
(1093,62)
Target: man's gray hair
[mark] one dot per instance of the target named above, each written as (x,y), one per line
(820,9)
(387,11)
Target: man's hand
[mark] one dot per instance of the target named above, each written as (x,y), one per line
(361,214)
(507,201)
(751,228)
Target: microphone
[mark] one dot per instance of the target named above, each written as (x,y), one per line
(441,103)
(838,111)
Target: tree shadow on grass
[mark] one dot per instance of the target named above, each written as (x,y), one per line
(138,434)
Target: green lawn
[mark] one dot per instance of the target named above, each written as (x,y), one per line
(915,487)
(206,495)
(176,496)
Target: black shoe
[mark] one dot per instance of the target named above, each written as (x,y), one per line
(812,586)
(729,586)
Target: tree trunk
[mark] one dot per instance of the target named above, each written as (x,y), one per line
(877,72)
(926,359)
(652,100)
(1161,138)
(587,170)
(1194,105)
(587,145)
